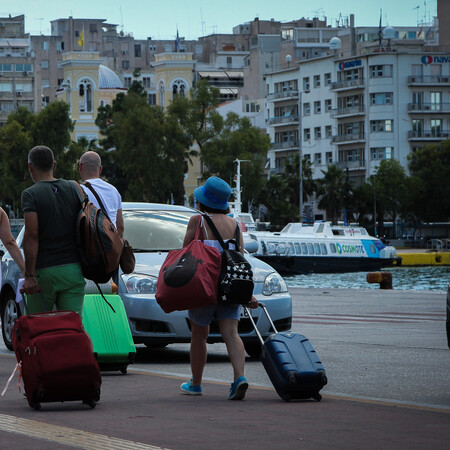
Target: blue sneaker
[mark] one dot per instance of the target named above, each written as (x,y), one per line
(238,389)
(187,388)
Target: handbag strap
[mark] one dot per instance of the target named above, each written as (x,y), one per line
(219,237)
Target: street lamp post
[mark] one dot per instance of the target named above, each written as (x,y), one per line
(300,156)
(374,207)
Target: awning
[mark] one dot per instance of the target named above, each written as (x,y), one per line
(14,42)
(213,74)
(228,91)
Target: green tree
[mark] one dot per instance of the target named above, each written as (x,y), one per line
(333,190)
(430,170)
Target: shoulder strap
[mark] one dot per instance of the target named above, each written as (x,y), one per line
(219,237)
(89,186)
(81,194)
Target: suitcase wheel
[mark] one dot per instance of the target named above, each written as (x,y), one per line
(317,397)
(124,370)
(91,403)
(36,406)
(286,397)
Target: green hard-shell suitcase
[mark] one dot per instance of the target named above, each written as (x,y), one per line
(110,332)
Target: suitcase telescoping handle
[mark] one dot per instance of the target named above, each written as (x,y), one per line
(263,307)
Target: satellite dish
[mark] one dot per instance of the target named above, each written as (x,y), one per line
(335,43)
(288,58)
(389,33)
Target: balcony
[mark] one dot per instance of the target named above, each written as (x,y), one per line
(351,165)
(283,120)
(284,145)
(428,135)
(285,95)
(340,113)
(428,108)
(430,80)
(348,138)
(358,83)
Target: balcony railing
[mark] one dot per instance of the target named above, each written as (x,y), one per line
(283,95)
(429,107)
(282,120)
(429,134)
(351,165)
(353,137)
(429,79)
(347,84)
(350,111)
(284,145)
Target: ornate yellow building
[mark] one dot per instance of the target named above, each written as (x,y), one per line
(87,85)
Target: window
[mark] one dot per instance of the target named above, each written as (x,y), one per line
(306,134)
(304,248)
(85,93)
(381,152)
(381,126)
(333,248)
(44,45)
(436,127)
(317,133)
(307,157)
(127,82)
(59,46)
(381,98)
(316,81)
(306,109)
(45,83)
(417,125)
(327,79)
(317,107)
(125,65)
(328,132)
(152,99)
(229,61)
(306,83)
(44,63)
(381,71)
(310,249)
(137,50)
(329,157)
(317,248)
(146,82)
(92,28)
(323,247)
(179,88)
(318,159)
(328,105)
(436,101)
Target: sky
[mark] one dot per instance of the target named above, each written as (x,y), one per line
(195,18)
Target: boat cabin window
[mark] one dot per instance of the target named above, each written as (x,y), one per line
(304,249)
(298,250)
(333,248)
(310,249)
(373,249)
(290,249)
(317,248)
(323,247)
(320,228)
(338,232)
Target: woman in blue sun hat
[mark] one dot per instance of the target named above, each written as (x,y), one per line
(212,198)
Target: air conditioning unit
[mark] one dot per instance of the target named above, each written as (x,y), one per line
(124,52)
(444,79)
(427,135)
(19,93)
(427,107)
(413,79)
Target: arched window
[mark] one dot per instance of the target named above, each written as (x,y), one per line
(161,94)
(85,92)
(179,88)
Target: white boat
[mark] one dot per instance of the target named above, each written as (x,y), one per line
(322,248)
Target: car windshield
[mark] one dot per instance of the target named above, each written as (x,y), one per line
(151,231)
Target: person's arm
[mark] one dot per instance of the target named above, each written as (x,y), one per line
(30,249)
(119,223)
(191,229)
(9,242)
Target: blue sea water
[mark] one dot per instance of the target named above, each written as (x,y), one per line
(430,278)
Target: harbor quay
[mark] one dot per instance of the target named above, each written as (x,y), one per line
(387,362)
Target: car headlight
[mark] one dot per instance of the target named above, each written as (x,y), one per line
(136,283)
(274,284)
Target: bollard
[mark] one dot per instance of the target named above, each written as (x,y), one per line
(384,278)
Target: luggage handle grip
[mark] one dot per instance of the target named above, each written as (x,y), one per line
(263,307)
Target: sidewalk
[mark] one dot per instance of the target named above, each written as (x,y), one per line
(148,408)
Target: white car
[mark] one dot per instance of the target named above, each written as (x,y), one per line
(152,230)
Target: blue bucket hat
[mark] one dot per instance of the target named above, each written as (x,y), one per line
(214,193)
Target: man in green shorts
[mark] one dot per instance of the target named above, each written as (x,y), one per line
(52,264)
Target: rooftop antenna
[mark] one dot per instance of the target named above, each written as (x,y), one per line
(40,24)
(203,23)
(121,19)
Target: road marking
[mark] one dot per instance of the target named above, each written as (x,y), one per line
(66,435)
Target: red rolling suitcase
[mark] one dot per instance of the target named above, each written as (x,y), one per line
(57,360)
(291,363)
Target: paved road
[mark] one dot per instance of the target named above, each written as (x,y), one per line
(387,362)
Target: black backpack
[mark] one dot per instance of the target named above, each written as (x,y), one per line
(236,277)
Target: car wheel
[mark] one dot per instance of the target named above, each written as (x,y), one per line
(10,312)
(253,349)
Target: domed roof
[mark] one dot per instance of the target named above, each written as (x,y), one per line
(107,79)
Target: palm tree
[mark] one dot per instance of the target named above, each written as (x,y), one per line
(334,191)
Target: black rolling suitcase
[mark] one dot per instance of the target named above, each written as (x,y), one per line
(291,363)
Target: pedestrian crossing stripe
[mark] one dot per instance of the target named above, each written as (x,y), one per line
(67,436)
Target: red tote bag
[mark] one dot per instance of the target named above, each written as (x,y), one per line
(189,277)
